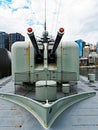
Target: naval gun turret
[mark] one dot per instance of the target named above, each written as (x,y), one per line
(45,61)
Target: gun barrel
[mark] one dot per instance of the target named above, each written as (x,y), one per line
(57,40)
(33,40)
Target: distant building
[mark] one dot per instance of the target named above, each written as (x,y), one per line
(92,48)
(93,58)
(6,40)
(13,37)
(86,51)
(81,44)
(97,47)
(84,61)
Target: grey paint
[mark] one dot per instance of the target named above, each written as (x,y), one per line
(81,116)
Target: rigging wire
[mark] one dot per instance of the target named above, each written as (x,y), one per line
(35,13)
(32,11)
(55,20)
(57,11)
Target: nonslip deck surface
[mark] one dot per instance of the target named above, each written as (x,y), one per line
(81,116)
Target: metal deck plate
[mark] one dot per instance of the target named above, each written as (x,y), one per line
(81,116)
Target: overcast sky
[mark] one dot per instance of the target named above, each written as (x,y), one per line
(78,17)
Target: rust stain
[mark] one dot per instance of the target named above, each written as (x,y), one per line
(28,55)
(37,76)
(19,126)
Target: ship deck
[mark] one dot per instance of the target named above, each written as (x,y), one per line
(81,116)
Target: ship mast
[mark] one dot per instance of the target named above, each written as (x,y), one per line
(45,17)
